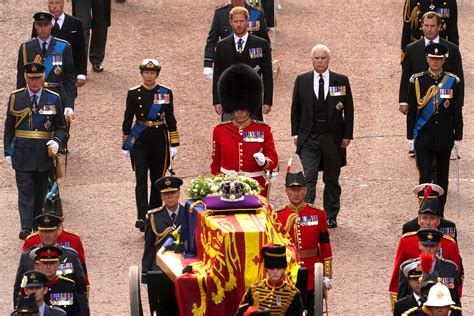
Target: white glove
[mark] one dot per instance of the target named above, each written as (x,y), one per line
(327,282)
(457,146)
(9,160)
(174,151)
(69,112)
(260,159)
(411,144)
(208,71)
(54,146)
(126,153)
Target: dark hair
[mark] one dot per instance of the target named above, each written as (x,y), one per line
(430,15)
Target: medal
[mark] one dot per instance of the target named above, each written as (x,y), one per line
(57,70)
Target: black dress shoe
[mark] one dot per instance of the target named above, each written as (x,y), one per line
(332,223)
(140,224)
(97,67)
(25,232)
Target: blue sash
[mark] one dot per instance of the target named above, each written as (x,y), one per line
(254,15)
(137,129)
(36,118)
(428,110)
(48,62)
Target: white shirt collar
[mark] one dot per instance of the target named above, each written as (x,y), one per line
(171,212)
(417,299)
(37,93)
(40,41)
(435,40)
(325,74)
(42,308)
(244,38)
(60,19)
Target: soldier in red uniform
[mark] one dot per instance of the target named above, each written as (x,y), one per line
(308,229)
(408,245)
(242,145)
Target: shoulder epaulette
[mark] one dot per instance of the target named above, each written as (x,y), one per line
(162,86)
(456,308)
(61,40)
(69,248)
(411,311)
(447,237)
(221,6)
(414,76)
(66,279)
(448,261)
(319,208)
(260,122)
(69,232)
(280,209)
(31,235)
(135,88)
(52,92)
(408,234)
(155,210)
(453,75)
(18,90)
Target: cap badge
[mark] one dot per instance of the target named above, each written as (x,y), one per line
(33,68)
(436,51)
(46,220)
(42,16)
(430,236)
(440,294)
(49,251)
(150,64)
(167,182)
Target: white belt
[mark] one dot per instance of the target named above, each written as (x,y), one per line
(234,173)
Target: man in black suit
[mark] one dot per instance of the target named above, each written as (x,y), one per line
(322,120)
(95,15)
(220,29)
(162,222)
(246,48)
(412,272)
(34,131)
(69,28)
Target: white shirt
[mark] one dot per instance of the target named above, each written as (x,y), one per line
(48,41)
(59,20)
(417,299)
(435,40)
(38,94)
(171,212)
(41,309)
(316,83)
(244,38)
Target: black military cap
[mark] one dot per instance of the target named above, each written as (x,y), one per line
(294,179)
(43,17)
(240,88)
(168,184)
(429,236)
(33,278)
(412,270)
(430,206)
(33,69)
(150,64)
(48,221)
(27,304)
(47,253)
(274,256)
(436,50)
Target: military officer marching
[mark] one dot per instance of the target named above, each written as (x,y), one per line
(34,131)
(154,137)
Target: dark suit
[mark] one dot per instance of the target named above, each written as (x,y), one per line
(72,32)
(435,138)
(415,61)
(226,55)
(220,28)
(95,15)
(414,10)
(69,256)
(157,222)
(320,142)
(62,77)
(29,153)
(404,304)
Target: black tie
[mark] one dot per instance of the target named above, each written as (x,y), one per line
(321,88)
(56,27)
(34,99)
(43,49)
(240,44)
(173,217)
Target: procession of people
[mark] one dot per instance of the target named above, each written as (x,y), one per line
(52,69)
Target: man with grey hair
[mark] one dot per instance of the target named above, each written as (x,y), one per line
(322,120)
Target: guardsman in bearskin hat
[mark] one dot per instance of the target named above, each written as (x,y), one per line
(273,293)
(307,226)
(434,118)
(153,139)
(242,145)
(34,131)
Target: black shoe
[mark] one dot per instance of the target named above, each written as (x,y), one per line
(411,152)
(97,67)
(25,232)
(140,224)
(332,223)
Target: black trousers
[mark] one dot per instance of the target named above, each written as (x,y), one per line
(319,149)
(152,164)
(437,173)
(100,27)
(32,189)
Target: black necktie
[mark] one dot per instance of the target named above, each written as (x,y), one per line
(43,49)
(321,88)
(56,27)
(173,217)
(240,44)
(34,99)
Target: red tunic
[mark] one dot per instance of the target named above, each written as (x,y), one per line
(234,147)
(67,239)
(408,249)
(308,229)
